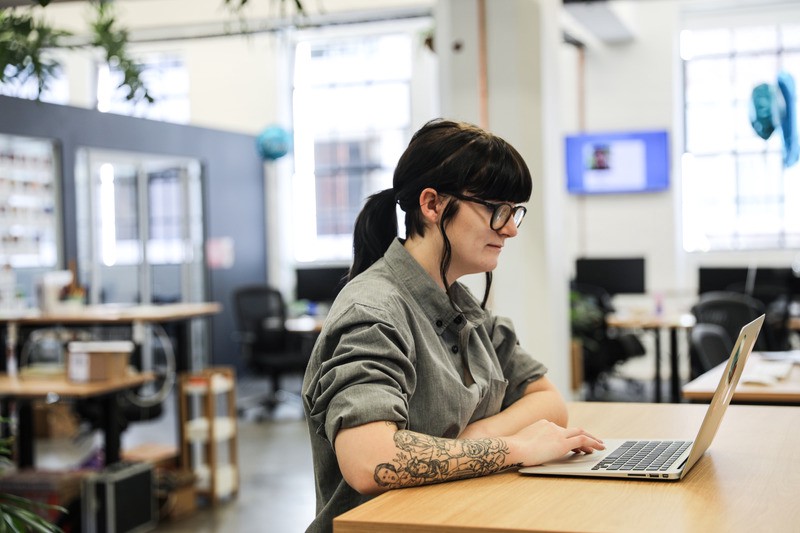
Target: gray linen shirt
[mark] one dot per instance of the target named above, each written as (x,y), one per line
(394,348)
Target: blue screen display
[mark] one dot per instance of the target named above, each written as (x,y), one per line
(623,162)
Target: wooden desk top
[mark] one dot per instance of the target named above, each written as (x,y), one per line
(720,494)
(114,313)
(29,387)
(786,390)
(647,321)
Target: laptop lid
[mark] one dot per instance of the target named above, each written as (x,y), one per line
(725,389)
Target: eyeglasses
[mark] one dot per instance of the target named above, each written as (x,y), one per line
(501,213)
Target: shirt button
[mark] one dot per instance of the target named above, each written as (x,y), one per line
(439,323)
(454,349)
(459,319)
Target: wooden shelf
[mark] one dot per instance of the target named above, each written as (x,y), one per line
(208,430)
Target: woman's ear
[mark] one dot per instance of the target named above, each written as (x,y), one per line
(430,205)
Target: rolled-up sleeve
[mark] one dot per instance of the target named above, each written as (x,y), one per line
(518,366)
(366,373)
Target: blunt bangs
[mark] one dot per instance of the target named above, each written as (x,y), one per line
(500,173)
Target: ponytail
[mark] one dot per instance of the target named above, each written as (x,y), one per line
(375,229)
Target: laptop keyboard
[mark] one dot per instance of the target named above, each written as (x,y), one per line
(643,456)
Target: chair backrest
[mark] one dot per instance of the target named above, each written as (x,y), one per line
(710,345)
(261,315)
(730,310)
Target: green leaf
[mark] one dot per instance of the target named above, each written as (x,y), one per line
(113,40)
(24,45)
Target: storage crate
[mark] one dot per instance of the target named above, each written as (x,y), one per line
(120,499)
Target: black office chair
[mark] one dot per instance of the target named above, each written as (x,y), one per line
(604,348)
(730,310)
(709,345)
(266,343)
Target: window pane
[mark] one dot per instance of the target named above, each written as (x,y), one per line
(706,42)
(755,39)
(708,80)
(752,70)
(709,128)
(790,36)
(167,80)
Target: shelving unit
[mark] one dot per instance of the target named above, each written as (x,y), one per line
(207,409)
(28,197)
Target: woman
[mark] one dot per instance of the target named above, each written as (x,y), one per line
(412,381)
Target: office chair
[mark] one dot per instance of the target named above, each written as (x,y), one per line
(709,345)
(730,310)
(266,345)
(604,348)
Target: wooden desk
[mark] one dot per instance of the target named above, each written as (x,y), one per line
(656,324)
(785,391)
(118,314)
(25,390)
(723,492)
(112,314)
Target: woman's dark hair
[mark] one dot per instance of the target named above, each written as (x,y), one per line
(451,157)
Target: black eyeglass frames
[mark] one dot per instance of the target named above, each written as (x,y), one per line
(501,213)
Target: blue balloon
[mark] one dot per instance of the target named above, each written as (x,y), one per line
(273,143)
(791,145)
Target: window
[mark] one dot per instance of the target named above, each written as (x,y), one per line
(56,91)
(737,194)
(352,120)
(167,80)
(129,196)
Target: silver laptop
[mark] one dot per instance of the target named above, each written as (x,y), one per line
(659,459)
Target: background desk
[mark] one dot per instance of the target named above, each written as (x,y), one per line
(112,314)
(656,324)
(724,492)
(785,391)
(25,390)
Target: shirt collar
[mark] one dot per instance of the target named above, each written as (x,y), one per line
(430,297)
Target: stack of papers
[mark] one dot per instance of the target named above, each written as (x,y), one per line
(766,371)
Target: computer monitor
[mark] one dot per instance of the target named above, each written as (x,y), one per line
(763,283)
(320,284)
(621,275)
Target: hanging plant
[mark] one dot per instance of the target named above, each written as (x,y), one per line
(113,40)
(26,41)
(23,45)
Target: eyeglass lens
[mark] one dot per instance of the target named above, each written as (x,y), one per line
(503,212)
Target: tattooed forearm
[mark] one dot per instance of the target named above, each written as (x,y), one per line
(423,459)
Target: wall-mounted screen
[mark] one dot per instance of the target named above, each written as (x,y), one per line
(622,162)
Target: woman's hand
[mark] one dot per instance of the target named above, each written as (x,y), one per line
(544,441)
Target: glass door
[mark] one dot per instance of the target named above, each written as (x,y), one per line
(140,237)
(140,228)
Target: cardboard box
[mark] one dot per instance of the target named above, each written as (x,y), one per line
(98,360)
(177,493)
(54,420)
(158,455)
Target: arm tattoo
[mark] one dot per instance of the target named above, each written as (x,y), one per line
(423,459)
